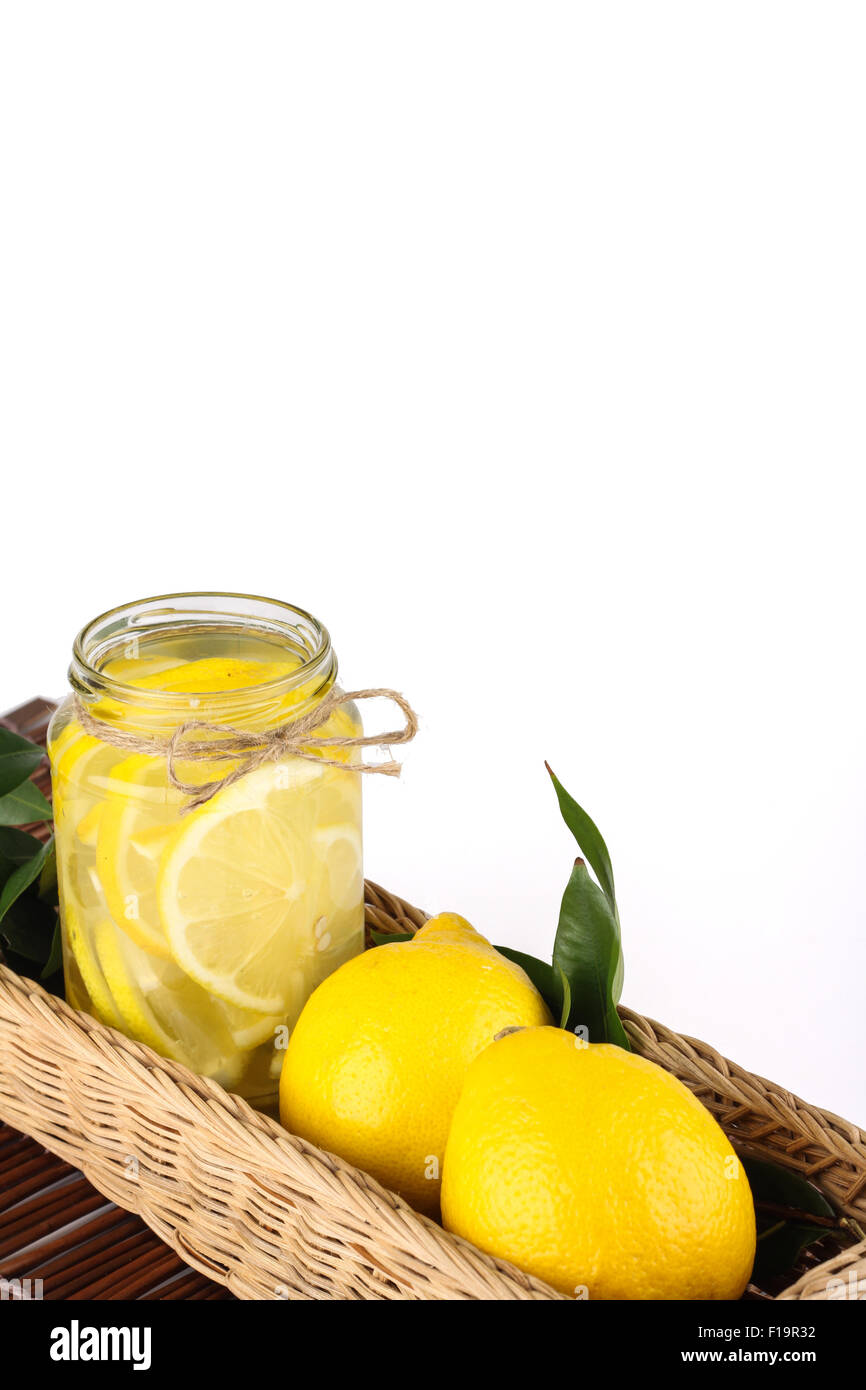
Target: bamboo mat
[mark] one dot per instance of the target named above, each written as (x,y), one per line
(54,1225)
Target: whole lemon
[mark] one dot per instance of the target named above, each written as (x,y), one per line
(598,1172)
(377,1058)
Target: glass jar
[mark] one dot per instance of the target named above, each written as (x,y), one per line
(201,929)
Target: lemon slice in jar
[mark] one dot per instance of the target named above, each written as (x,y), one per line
(129,999)
(234,888)
(90,969)
(68,747)
(72,751)
(82,773)
(193,682)
(160,1016)
(250,1029)
(87,828)
(214,675)
(131,835)
(338,848)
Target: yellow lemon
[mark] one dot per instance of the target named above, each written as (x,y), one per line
(598,1172)
(377,1058)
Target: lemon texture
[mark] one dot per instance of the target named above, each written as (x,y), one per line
(376,1061)
(598,1172)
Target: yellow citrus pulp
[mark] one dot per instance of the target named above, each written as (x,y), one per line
(598,1172)
(202,934)
(377,1059)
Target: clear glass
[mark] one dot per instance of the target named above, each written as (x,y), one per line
(203,931)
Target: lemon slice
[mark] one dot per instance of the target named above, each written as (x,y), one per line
(137,1018)
(338,847)
(72,751)
(129,842)
(76,761)
(211,675)
(194,682)
(87,828)
(250,1029)
(130,670)
(67,747)
(160,1016)
(234,892)
(90,969)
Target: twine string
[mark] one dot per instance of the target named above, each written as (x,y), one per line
(296,738)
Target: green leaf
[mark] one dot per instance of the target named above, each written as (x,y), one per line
(592,846)
(22,877)
(18,759)
(17,845)
(772,1184)
(24,805)
(588,837)
(790,1213)
(543,976)
(586,950)
(384,938)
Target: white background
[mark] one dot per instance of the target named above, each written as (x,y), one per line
(523,344)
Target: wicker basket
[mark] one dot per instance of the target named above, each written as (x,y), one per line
(272,1217)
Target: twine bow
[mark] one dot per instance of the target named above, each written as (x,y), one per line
(295,738)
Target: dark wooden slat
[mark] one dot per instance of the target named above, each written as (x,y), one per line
(31,1177)
(150,1268)
(91,1260)
(13,1144)
(186,1285)
(41,1215)
(30,720)
(113,1223)
(75,1248)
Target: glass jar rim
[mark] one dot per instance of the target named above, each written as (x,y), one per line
(182,610)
